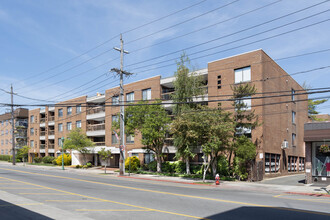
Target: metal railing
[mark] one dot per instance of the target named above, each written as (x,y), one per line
(42,120)
(51,132)
(167,95)
(42,133)
(95,110)
(42,146)
(51,146)
(99,143)
(51,118)
(96,127)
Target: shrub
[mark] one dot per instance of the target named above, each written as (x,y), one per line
(180,166)
(37,159)
(152,166)
(168,167)
(5,157)
(89,164)
(47,159)
(135,163)
(223,168)
(11,159)
(54,161)
(196,169)
(85,166)
(67,160)
(79,166)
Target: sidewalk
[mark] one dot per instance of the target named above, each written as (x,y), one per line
(237,185)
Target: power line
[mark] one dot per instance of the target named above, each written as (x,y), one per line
(114,37)
(234,41)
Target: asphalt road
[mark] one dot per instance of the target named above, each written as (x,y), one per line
(27,193)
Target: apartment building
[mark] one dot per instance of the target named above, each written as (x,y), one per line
(279,138)
(20,133)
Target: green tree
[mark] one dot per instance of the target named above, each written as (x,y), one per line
(245,153)
(313,104)
(23,153)
(77,140)
(187,85)
(105,156)
(152,121)
(244,118)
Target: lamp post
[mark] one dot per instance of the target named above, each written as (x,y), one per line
(62,140)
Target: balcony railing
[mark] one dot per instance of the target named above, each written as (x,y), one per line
(42,146)
(99,143)
(96,127)
(167,95)
(95,110)
(51,132)
(51,118)
(42,133)
(42,120)
(51,146)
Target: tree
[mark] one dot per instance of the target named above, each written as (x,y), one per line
(105,156)
(187,85)
(23,153)
(152,121)
(312,105)
(78,141)
(245,153)
(244,118)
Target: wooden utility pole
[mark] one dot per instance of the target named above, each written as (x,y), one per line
(121,72)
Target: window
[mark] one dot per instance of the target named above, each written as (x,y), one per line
(146,94)
(293,139)
(293,117)
(130,97)
(243,131)
(78,109)
(130,139)
(6,151)
(292,163)
(115,100)
(31,131)
(6,141)
(69,111)
(31,144)
(272,163)
(60,112)
(2,132)
(31,119)
(6,132)
(68,126)
(148,157)
(2,142)
(114,139)
(219,81)
(60,142)
(6,122)
(244,104)
(78,124)
(115,118)
(292,94)
(1,151)
(60,127)
(243,75)
(2,123)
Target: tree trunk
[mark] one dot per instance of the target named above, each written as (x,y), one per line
(187,166)
(214,166)
(229,161)
(159,164)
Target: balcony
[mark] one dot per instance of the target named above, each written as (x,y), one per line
(42,120)
(51,146)
(42,146)
(96,130)
(99,143)
(51,134)
(21,123)
(96,113)
(42,135)
(51,120)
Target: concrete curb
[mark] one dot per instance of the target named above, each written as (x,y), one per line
(309,194)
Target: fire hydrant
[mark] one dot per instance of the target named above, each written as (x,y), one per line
(217,179)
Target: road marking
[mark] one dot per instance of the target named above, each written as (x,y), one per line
(21,204)
(71,201)
(112,210)
(43,193)
(160,192)
(105,200)
(11,183)
(309,200)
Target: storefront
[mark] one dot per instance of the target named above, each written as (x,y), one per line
(317,142)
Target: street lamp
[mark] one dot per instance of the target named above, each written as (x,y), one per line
(62,140)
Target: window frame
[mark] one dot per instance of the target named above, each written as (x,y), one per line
(146,92)
(79,121)
(60,127)
(69,126)
(115,100)
(69,110)
(130,95)
(239,75)
(78,109)
(60,112)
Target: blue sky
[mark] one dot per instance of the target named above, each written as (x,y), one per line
(37,35)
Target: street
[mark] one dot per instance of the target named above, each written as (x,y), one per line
(35,194)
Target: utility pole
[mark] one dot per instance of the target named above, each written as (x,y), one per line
(12,124)
(121,72)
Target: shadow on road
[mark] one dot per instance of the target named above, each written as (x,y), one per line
(263,213)
(10,211)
